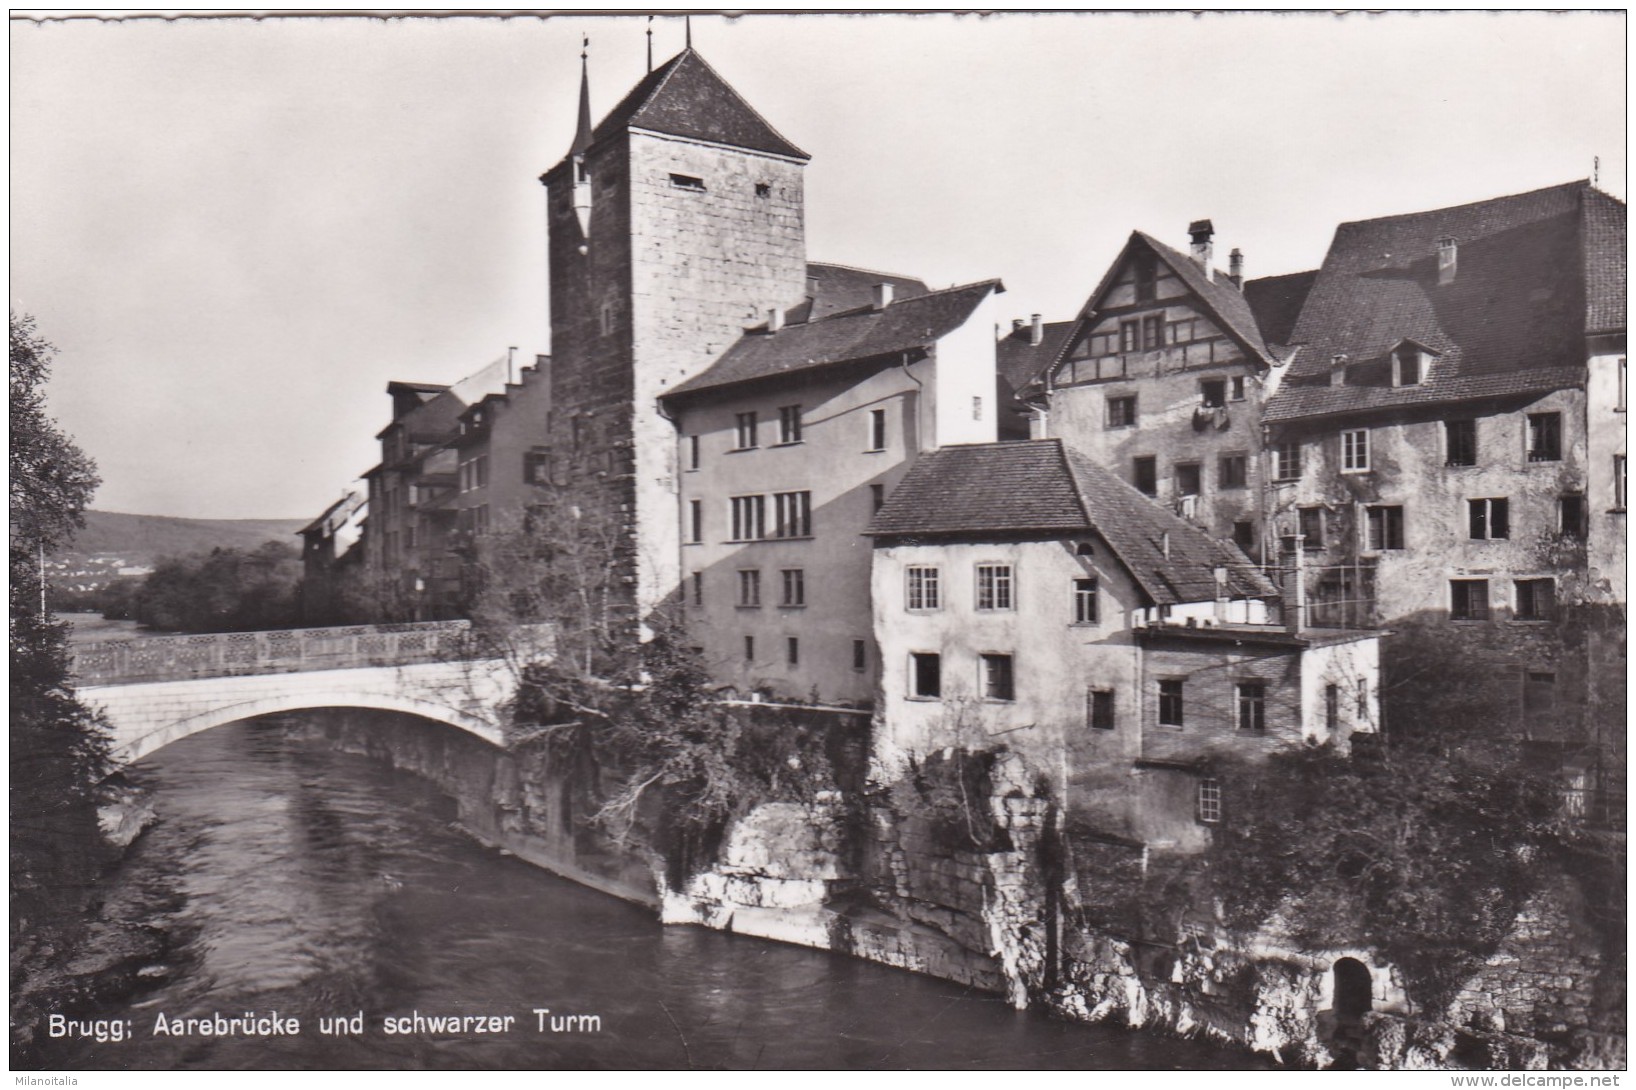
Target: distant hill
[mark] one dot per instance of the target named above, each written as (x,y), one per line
(141,539)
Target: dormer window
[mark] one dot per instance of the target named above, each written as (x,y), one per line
(1406,367)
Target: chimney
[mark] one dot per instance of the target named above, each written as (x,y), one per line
(1202,231)
(1164,543)
(1447,256)
(883,296)
(1222,599)
(1235,268)
(1036,331)
(1016,324)
(775,319)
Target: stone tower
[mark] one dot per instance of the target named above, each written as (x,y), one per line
(674,224)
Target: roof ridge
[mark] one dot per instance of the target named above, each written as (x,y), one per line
(1580,183)
(868,308)
(747,103)
(860,269)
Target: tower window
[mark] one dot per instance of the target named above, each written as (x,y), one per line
(687,181)
(763,189)
(860,655)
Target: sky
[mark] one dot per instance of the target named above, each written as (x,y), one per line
(237,232)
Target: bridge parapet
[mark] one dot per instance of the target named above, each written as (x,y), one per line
(226,654)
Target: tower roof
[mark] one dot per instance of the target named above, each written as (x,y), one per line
(685,97)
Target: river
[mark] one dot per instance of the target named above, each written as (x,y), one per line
(294,879)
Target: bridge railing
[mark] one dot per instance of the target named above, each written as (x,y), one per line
(223,654)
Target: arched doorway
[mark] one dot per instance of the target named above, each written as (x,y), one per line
(1354,990)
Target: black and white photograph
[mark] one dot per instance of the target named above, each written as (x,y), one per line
(717,541)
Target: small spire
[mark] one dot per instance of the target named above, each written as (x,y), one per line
(650,43)
(582,135)
(687,22)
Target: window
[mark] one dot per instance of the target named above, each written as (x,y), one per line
(693,452)
(1121,412)
(1619,406)
(922,587)
(1468,599)
(877,429)
(925,675)
(606,318)
(1085,601)
(795,587)
(997,681)
(789,424)
(877,496)
(1354,451)
(749,587)
(977,408)
(1618,482)
(1544,437)
(536,467)
(1232,471)
(1461,439)
(1189,479)
(1571,516)
(746,431)
(1332,709)
(1237,388)
(695,519)
(1490,520)
(1406,367)
(763,189)
(792,651)
(1286,462)
(1310,523)
(687,181)
(1244,535)
(1536,599)
(1146,268)
(994,586)
(1213,392)
(1153,331)
(793,511)
(860,654)
(1130,335)
(749,518)
(1099,708)
(698,588)
(1385,528)
(1145,475)
(1252,705)
(1170,703)
(1209,802)
(749,649)
(409,537)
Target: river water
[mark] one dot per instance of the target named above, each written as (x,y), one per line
(294,879)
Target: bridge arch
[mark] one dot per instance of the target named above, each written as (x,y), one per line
(150,741)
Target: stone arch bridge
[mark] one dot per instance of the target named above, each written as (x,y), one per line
(159,689)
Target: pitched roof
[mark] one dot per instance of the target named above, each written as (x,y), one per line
(835,288)
(1276,302)
(1043,486)
(851,336)
(685,97)
(1533,271)
(1021,361)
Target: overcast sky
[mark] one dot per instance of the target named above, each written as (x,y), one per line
(238,232)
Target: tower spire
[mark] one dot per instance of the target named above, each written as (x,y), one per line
(687,22)
(650,43)
(582,135)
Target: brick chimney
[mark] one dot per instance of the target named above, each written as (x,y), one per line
(1036,331)
(1235,267)
(1201,232)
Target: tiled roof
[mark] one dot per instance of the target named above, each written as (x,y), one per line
(1511,322)
(685,97)
(855,335)
(1604,263)
(836,288)
(1043,486)
(1276,302)
(1021,362)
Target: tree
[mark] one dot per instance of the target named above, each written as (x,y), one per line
(59,750)
(224,590)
